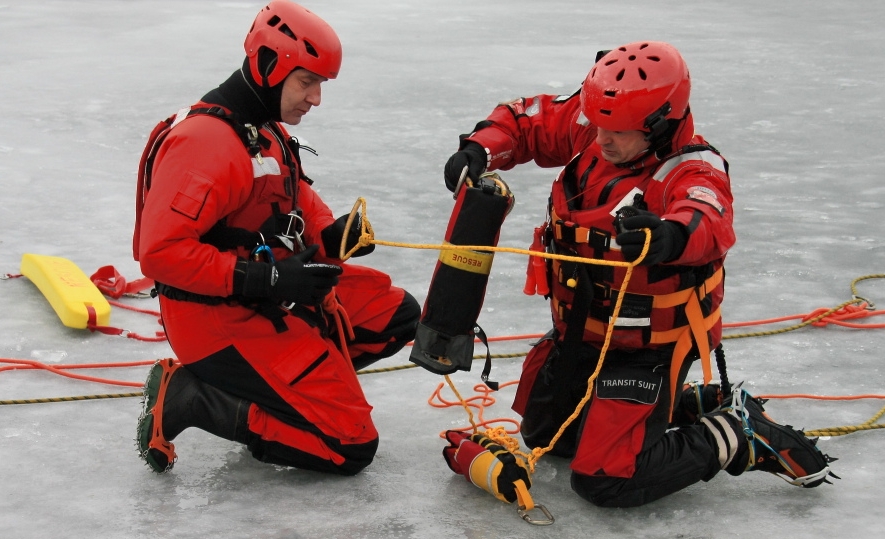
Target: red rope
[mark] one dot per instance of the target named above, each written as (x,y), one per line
(480,401)
(849,312)
(31,364)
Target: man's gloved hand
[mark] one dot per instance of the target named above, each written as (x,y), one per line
(473,156)
(294,279)
(668,239)
(333,234)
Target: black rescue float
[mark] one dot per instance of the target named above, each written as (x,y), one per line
(444,340)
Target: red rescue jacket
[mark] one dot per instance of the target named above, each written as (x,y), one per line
(206,198)
(673,304)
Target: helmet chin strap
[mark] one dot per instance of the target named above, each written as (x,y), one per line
(656,123)
(661,130)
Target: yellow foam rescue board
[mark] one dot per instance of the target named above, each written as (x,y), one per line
(68,289)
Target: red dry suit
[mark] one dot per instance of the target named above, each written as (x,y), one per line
(211,199)
(670,312)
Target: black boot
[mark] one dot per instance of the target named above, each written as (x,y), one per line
(756,442)
(175,399)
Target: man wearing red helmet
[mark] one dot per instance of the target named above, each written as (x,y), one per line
(268,323)
(633,165)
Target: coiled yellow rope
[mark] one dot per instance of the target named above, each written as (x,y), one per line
(367,237)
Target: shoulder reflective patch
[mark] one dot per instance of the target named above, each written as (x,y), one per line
(711,158)
(535,108)
(707,196)
(179,116)
(268,166)
(582,120)
(566,97)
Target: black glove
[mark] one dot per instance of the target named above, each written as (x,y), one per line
(333,233)
(293,279)
(473,156)
(668,239)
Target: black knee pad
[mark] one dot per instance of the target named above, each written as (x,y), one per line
(356,456)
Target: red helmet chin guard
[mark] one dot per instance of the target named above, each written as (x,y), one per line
(298,37)
(636,86)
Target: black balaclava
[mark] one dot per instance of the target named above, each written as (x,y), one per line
(248,101)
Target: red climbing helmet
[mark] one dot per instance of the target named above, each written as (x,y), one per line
(636,87)
(298,37)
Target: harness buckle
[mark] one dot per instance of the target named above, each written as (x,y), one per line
(567,231)
(252,136)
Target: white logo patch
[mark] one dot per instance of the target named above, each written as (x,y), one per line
(707,196)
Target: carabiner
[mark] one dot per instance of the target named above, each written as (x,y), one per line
(293,232)
(548,520)
(262,252)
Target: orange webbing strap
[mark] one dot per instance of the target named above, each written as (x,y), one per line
(697,331)
(523,498)
(683,296)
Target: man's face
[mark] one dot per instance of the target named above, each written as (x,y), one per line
(621,146)
(301,90)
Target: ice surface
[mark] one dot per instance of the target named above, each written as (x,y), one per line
(790,91)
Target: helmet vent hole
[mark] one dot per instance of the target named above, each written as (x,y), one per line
(287,31)
(605,112)
(610,93)
(632,57)
(620,75)
(310,50)
(642,74)
(610,62)
(273,21)
(654,58)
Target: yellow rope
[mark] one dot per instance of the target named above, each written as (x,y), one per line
(869,424)
(864,278)
(462,401)
(842,431)
(70,399)
(367,237)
